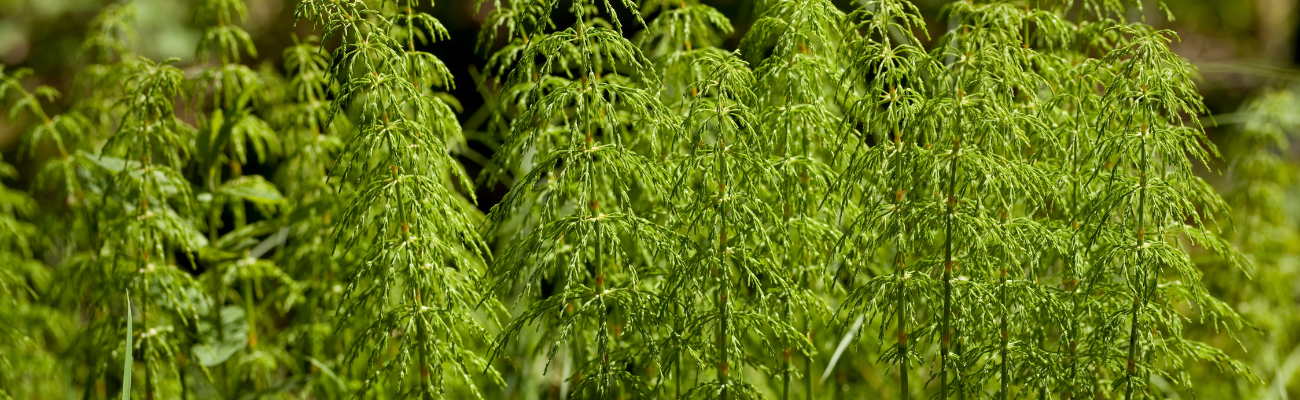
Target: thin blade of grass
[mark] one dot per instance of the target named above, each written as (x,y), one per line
(126,365)
(839,350)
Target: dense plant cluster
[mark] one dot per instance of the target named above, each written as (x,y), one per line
(841,206)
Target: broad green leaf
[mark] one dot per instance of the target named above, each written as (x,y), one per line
(211,350)
(251,188)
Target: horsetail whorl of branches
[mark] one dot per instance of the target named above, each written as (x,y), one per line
(690,210)
(417,272)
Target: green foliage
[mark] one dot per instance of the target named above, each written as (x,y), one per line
(1014,207)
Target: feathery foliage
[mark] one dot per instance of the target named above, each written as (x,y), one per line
(827,203)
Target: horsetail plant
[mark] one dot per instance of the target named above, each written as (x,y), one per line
(581,171)
(1146,205)
(727,283)
(79,176)
(882,110)
(312,140)
(804,60)
(1013,203)
(1257,151)
(149,203)
(234,124)
(29,365)
(674,39)
(418,254)
(992,103)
